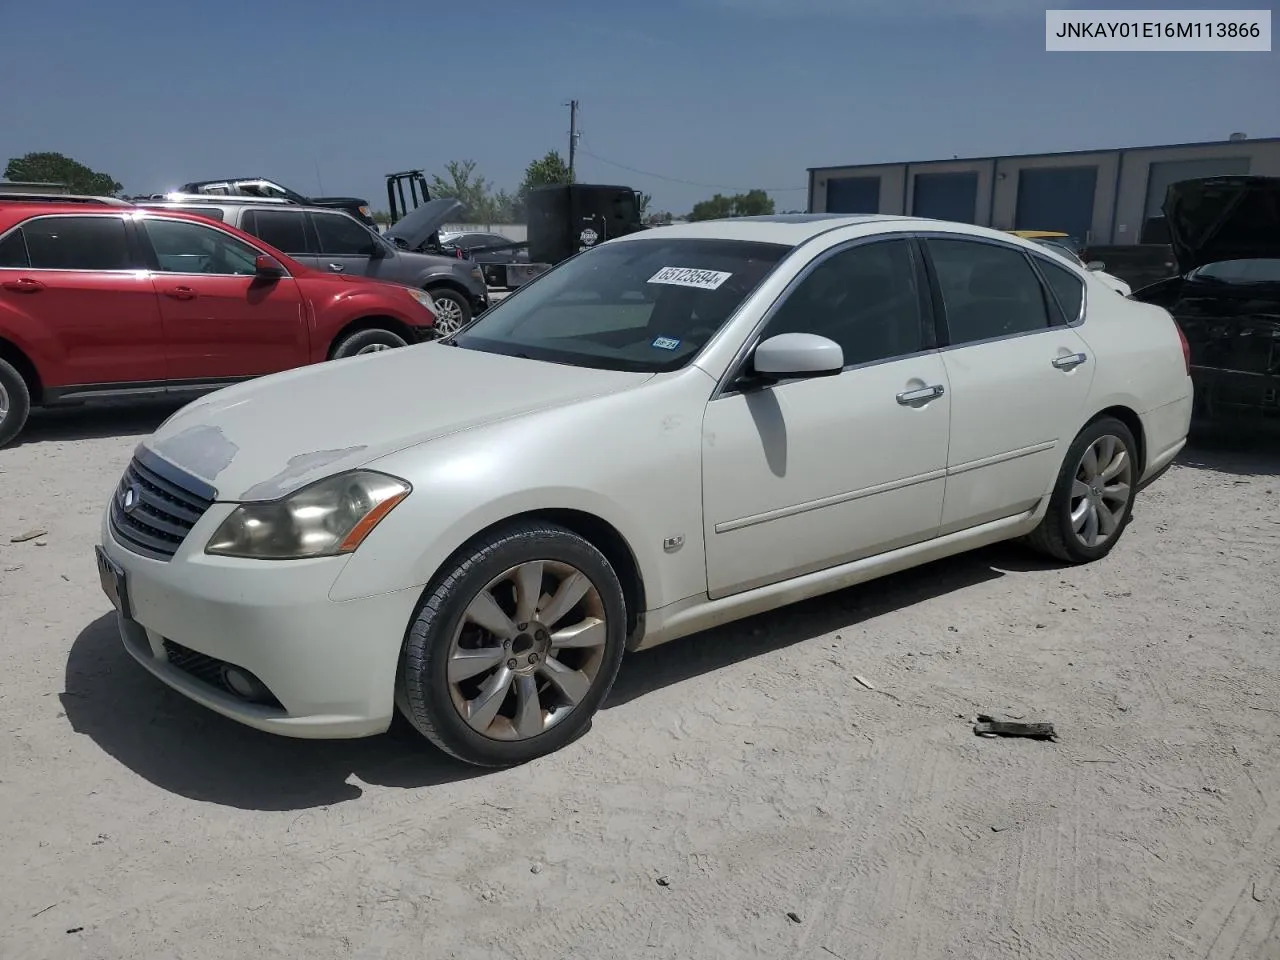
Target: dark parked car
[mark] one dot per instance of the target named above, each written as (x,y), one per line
(261,187)
(335,242)
(492,251)
(1225,235)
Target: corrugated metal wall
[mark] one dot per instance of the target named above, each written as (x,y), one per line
(946,196)
(1057,198)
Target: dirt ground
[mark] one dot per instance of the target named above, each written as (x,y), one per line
(740,796)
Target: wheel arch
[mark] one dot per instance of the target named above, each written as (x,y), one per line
(25,366)
(602,535)
(1129,417)
(371,322)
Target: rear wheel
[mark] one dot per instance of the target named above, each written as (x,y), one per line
(15,402)
(514,649)
(452,310)
(1093,498)
(368,341)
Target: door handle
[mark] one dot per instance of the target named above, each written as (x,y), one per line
(23,285)
(1070,362)
(924,393)
(181,293)
(336,267)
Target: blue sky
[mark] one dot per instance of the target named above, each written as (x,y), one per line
(725,94)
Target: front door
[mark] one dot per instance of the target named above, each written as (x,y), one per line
(807,474)
(79,284)
(221,320)
(1019,379)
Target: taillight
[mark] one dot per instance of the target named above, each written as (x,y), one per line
(1186,347)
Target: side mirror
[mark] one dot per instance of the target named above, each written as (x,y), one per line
(1095,265)
(790,355)
(268,266)
(378,251)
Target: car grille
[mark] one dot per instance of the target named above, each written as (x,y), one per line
(162,510)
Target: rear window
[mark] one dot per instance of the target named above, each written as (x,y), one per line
(77,243)
(13,250)
(641,305)
(283,229)
(1240,271)
(1066,287)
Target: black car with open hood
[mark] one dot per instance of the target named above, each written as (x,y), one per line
(1225,236)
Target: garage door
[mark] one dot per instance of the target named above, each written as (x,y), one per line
(946,196)
(853,195)
(1057,199)
(1160,175)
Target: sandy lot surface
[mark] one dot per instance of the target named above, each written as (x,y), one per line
(734,779)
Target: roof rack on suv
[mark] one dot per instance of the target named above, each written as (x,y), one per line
(62,198)
(206,198)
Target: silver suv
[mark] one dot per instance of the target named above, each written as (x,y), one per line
(332,240)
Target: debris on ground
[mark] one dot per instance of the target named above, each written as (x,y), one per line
(988,726)
(29,535)
(793,916)
(664,881)
(864,681)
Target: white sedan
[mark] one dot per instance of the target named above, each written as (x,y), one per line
(672,430)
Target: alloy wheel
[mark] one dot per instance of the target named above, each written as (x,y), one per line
(528,650)
(374,348)
(4,403)
(448,316)
(1101,490)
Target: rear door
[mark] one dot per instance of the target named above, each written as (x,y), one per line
(347,246)
(287,230)
(1019,375)
(221,320)
(75,286)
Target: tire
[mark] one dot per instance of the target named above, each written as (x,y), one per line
(454,311)
(368,341)
(483,578)
(1078,487)
(15,402)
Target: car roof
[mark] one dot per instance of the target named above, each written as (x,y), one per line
(792,229)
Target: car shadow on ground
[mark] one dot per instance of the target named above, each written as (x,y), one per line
(1252,450)
(188,750)
(93,422)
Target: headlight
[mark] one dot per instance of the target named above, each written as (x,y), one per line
(324,519)
(423,298)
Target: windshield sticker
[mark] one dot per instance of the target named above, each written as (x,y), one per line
(665,343)
(691,277)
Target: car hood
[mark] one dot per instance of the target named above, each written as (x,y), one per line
(1213,219)
(416,227)
(266,438)
(339,201)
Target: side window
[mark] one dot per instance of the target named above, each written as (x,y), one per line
(77,243)
(284,229)
(340,235)
(1066,286)
(987,290)
(13,250)
(865,298)
(183,247)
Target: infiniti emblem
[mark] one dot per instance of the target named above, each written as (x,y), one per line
(129,498)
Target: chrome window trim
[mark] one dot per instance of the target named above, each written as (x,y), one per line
(115,214)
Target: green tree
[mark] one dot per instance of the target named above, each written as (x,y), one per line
(463,183)
(548,171)
(57,168)
(753,203)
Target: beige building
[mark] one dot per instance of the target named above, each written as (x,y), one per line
(1097,196)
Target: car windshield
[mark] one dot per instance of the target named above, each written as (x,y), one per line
(645,305)
(1240,271)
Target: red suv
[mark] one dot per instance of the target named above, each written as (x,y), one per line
(103,299)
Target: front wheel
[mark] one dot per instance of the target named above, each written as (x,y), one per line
(368,341)
(453,311)
(1093,497)
(15,402)
(514,648)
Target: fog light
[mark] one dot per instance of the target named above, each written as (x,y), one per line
(245,685)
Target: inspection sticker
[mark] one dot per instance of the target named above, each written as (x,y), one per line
(665,343)
(691,277)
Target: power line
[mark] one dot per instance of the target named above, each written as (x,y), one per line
(689,183)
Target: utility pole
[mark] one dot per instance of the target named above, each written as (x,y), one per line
(573,134)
